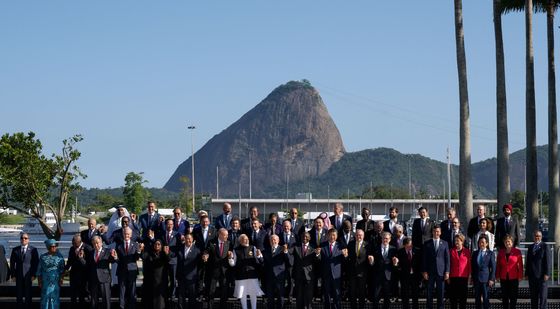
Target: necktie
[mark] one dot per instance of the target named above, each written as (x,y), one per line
(304,250)
(150,219)
(437,244)
(24,250)
(91,233)
(293,225)
(126,248)
(331,246)
(176,224)
(254,236)
(409,255)
(318,238)
(274,249)
(97,254)
(507,224)
(168,238)
(186,251)
(221,248)
(384,252)
(337,222)
(205,235)
(423,223)
(286,239)
(358,249)
(480,258)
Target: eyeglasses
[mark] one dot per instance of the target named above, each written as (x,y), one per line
(24,238)
(176,213)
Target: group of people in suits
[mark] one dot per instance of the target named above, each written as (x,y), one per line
(281,259)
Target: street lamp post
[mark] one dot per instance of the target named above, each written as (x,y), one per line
(192,164)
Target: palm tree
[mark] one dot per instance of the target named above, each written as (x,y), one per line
(465,180)
(503,180)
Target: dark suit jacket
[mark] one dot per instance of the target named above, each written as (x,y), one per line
(127,267)
(181,226)
(24,267)
(446,225)
(448,237)
(357,261)
(218,264)
(485,271)
(303,264)
(405,266)
(331,263)
(99,270)
(146,224)
(419,236)
(313,240)
(536,261)
(276,264)
(502,230)
(221,222)
(345,217)
(86,239)
(246,225)
(291,240)
(342,239)
(187,266)
(298,228)
(233,237)
(365,225)
(383,267)
(77,267)
(386,226)
(435,262)
(259,241)
(199,238)
(118,238)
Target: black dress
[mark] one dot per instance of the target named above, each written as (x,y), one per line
(156,267)
(4,269)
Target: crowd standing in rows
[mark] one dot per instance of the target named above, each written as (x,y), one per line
(282,260)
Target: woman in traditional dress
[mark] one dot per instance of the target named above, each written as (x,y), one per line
(155,275)
(245,259)
(49,274)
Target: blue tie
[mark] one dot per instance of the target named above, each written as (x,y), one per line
(480,258)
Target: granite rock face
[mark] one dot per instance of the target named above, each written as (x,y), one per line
(289,135)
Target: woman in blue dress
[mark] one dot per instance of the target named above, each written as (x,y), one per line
(49,273)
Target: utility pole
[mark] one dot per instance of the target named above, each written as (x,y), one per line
(192,164)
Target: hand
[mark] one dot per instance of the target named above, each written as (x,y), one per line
(114,253)
(425,276)
(166,249)
(446,276)
(546,277)
(345,252)
(229,254)
(151,234)
(490,283)
(102,229)
(33,278)
(205,257)
(370,259)
(285,248)
(81,253)
(395,260)
(141,245)
(161,218)
(133,216)
(182,239)
(317,251)
(259,253)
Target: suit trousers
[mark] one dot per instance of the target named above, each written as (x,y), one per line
(539,293)
(187,294)
(382,288)
(434,279)
(457,292)
(304,294)
(23,290)
(127,292)
(481,291)
(409,290)
(357,292)
(331,293)
(275,290)
(102,289)
(223,291)
(509,293)
(78,291)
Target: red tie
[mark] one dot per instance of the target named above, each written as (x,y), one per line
(97,254)
(331,248)
(176,225)
(126,248)
(221,248)
(409,256)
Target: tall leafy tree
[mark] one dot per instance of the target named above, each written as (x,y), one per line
(503,178)
(134,193)
(465,179)
(33,183)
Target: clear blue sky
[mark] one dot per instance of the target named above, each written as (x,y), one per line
(131,75)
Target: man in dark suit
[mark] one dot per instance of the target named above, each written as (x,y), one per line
(421,229)
(287,237)
(332,256)
(389,225)
(172,239)
(483,274)
(366,224)
(449,235)
(216,257)
(256,235)
(118,235)
(298,227)
(128,254)
(180,225)
(385,264)
(97,262)
(87,235)
(474,223)
(188,260)
(234,232)
(435,267)
(24,261)
(507,225)
(357,266)
(345,235)
(224,220)
(276,260)
(338,218)
(409,273)
(204,234)
(447,224)
(149,221)
(318,233)
(247,223)
(303,272)
(78,270)
(537,271)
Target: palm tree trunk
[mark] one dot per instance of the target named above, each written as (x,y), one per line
(531,202)
(503,180)
(465,210)
(553,175)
